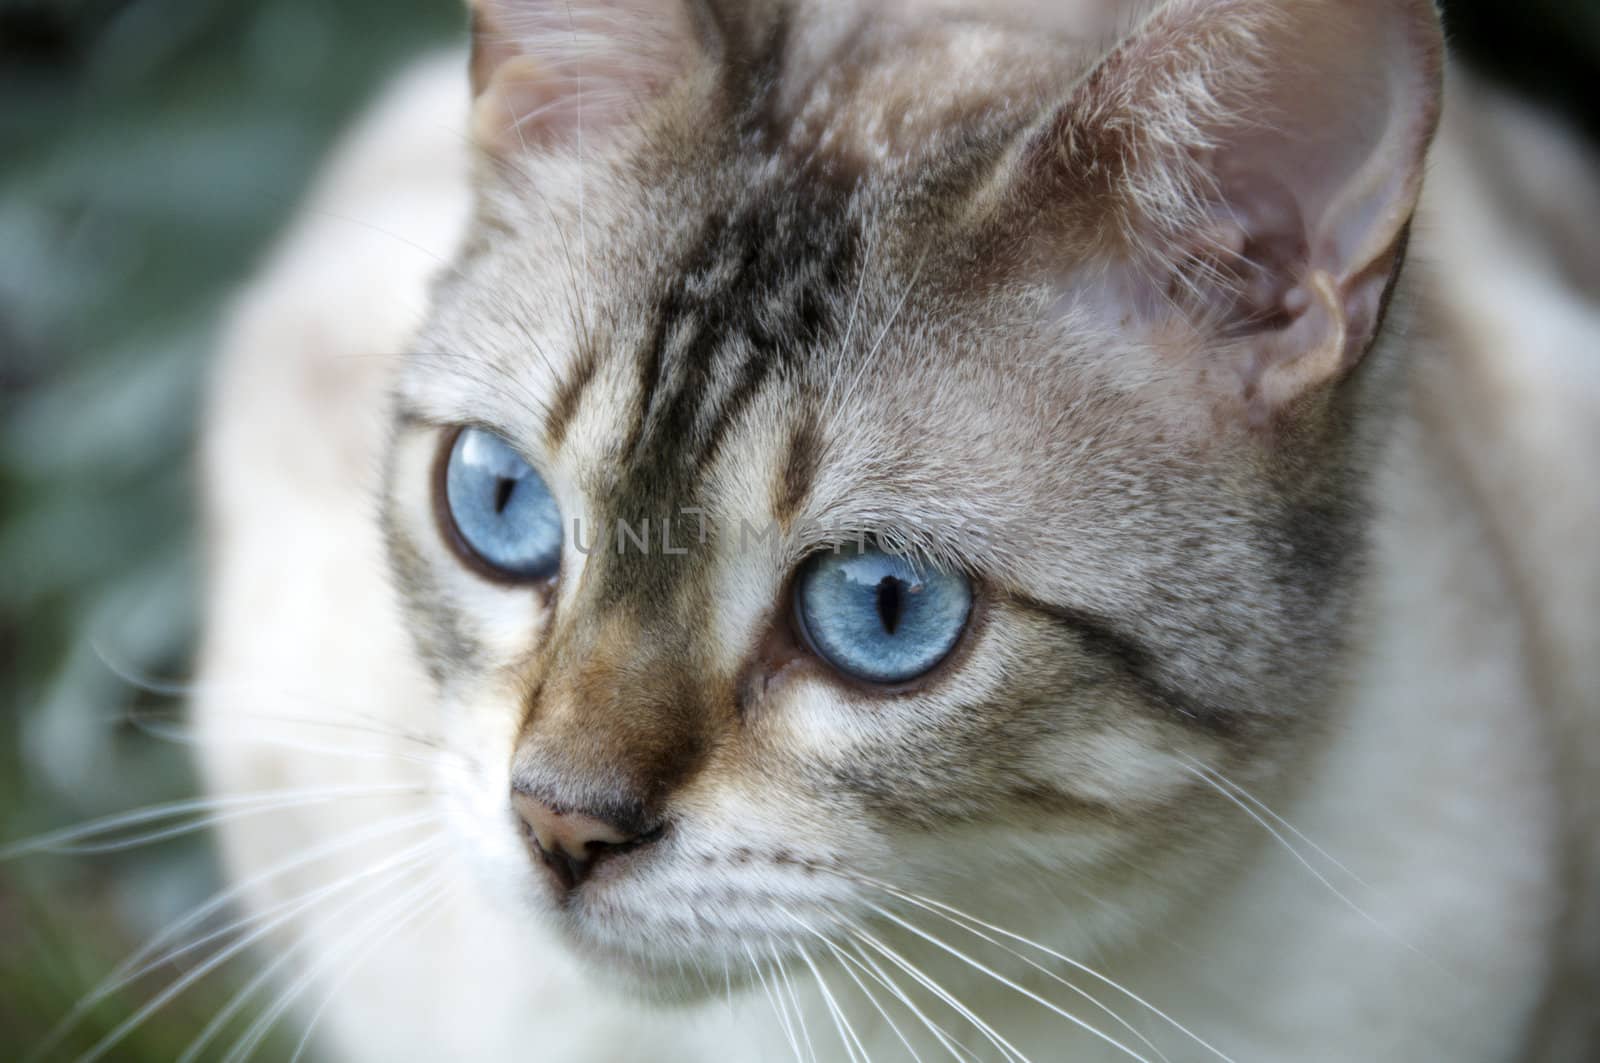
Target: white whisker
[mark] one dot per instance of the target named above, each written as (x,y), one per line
(847,1034)
(794,997)
(883,333)
(1007,1049)
(188,947)
(1300,858)
(202,740)
(1003,980)
(850,324)
(424,911)
(1042,969)
(1285,824)
(962,920)
(953,913)
(408,898)
(943,1036)
(268,972)
(777,1007)
(325,717)
(381,231)
(583,225)
(140,963)
(416,854)
(68,840)
(845,965)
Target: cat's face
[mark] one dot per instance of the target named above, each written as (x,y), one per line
(805,500)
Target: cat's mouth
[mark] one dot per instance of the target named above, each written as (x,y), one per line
(656,922)
(663,952)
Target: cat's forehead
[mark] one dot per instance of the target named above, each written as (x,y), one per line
(737,231)
(881,95)
(755,306)
(650,323)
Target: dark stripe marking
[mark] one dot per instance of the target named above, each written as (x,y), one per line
(799,468)
(1133,660)
(564,405)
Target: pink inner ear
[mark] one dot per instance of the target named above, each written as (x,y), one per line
(1268,155)
(548,70)
(1240,266)
(1236,178)
(1322,165)
(530,105)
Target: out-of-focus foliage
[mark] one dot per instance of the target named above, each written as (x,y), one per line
(148,151)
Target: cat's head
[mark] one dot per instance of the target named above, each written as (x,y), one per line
(865,452)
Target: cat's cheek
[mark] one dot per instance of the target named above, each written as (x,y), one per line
(509,624)
(1130,764)
(479,721)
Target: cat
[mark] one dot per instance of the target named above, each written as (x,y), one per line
(904,530)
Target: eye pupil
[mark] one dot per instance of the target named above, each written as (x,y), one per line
(889,603)
(502,514)
(880,617)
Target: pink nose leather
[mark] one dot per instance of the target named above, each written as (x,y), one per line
(572,831)
(567,842)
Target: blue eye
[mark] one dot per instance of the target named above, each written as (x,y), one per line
(878,617)
(503,513)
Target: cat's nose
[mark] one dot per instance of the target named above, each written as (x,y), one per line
(567,841)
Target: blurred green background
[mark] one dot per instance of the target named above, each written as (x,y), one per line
(149,149)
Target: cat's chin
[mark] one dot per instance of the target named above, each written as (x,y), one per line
(638,964)
(647,980)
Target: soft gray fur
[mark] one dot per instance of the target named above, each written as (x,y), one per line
(1107,307)
(739,291)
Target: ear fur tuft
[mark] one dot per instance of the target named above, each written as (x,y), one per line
(545,72)
(1254,165)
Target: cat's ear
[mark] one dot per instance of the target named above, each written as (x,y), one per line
(1254,165)
(548,72)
